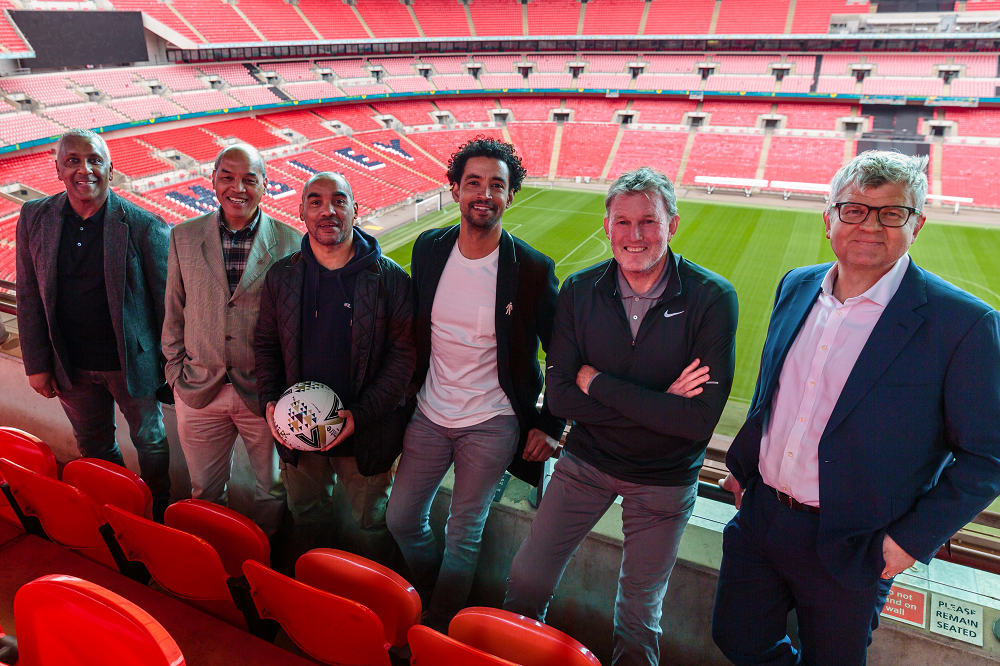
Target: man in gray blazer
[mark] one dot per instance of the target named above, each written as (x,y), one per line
(215,273)
(91,269)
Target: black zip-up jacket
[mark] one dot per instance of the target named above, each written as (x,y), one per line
(382,352)
(628,426)
(525,306)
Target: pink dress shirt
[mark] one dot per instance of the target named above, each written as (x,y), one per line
(814,373)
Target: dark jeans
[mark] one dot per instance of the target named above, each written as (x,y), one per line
(90,407)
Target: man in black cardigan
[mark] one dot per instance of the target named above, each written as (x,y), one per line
(484,300)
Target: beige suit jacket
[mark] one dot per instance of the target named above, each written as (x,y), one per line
(208,334)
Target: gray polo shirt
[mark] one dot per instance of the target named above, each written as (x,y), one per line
(637,305)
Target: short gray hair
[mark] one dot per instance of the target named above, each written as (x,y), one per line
(875,168)
(328,175)
(90,135)
(255,157)
(643,179)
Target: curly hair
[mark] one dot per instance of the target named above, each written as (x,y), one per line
(484,146)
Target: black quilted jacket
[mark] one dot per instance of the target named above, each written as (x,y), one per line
(383,356)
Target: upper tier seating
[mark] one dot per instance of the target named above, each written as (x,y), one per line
(612,64)
(277,23)
(548,63)
(902,86)
(748,17)
(534,144)
(612,81)
(85,115)
(416,112)
(836,84)
(813,17)
(803,160)
(585,148)
(208,100)
(334,20)
(662,111)
(668,82)
(247,130)
(134,159)
(797,84)
(409,84)
(553,17)
(9,40)
(233,74)
(735,114)
(112,82)
(441,18)
(459,82)
(311,90)
(386,19)
(496,17)
(24,126)
(50,90)
(625,15)
(723,155)
(306,123)
(806,115)
(501,81)
(908,65)
(975,87)
(395,66)
(526,108)
(346,69)
(253,95)
(190,141)
(467,110)
(160,11)
(445,64)
(550,81)
(144,108)
(805,65)
(667,17)
(217,21)
(291,71)
(367,89)
(356,116)
(595,109)
(837,64)
(978,65)
(175,77)
(36,170)
(744,64)
(740,83)
(497,64)
(671,64)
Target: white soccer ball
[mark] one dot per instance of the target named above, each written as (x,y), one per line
(306,416)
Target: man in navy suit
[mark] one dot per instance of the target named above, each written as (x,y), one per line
(872,436)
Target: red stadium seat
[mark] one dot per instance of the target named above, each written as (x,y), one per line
(108,483)
(234,537)
(27,451)
(431,648)
(68,516)
(181,563)
(518,639)
(328,628)
(65,621)
(372,585)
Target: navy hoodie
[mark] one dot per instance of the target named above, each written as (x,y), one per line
(327,317)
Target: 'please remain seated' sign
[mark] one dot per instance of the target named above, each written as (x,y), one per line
(956,619)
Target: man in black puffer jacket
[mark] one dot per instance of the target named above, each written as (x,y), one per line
(339,313)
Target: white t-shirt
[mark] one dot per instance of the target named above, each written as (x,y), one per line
(462,388)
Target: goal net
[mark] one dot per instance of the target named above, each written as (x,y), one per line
(431,204)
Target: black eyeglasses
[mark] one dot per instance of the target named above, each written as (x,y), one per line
(887,216)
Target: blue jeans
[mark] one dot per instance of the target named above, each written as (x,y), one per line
(481,453)
(653,520)
(90,408)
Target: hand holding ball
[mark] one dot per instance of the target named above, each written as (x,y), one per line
(306,416)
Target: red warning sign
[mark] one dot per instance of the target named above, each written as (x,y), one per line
(907,606)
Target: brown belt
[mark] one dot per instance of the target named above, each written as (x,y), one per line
(792,503)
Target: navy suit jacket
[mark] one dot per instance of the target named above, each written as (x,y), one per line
(912,447)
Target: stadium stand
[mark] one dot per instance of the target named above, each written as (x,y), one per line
(496,17)
(901,86)
(25,126)
(975,87)
(978,65)
(395,66)
(526,108)
(748,17)
(277,25)
(346,69)
(445,64)
(611,81)
(386,19)
(497,64)
(208,100)
(218,22)
(584,149)
(442,144)
(612,64)
(805,115)
(176,77)
(963,169)
(667,17)
(390,144)
(233,74)
(462,82)
(797,84)
(982,6)
(84,115)
(814,17)
(553,17)
(540,81)
(162,12)
(36,170)
(369,192)
(734,114)
(660,150)
(365,90)
(358,117)
(671,64)
(441,18)
(247,130)
(144,108)
(416,112)
(304,90)
(357,155)
(132,157)
(908,65)
(190,141)
(740,83)
(975,122)
(836,84)
(594,109)
(625,15)
(333,20)
(291,71)
(501,81)
(10,41)
(838,65)
(803,160)
(171,216)
(409,84)
(804,65)
(668,82)
(112,82)
(50,90)
(306,123)
(253,95)
(548,63)
(534,144)
(744,64)
(662,110)
(723,155)
(467,110)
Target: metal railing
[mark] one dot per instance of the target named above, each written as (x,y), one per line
(8,302)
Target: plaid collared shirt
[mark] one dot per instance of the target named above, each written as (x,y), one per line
(236,249)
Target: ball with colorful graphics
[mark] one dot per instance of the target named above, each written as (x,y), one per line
(306,416)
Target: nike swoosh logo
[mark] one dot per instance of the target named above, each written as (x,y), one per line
(668,315)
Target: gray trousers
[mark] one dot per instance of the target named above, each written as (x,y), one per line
(653,520)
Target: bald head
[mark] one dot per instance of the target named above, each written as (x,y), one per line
(244,151)
(338,180)
(239,182)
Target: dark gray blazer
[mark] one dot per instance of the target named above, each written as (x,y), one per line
(135,272)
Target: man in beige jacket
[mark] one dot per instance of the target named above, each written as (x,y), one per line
(215,272)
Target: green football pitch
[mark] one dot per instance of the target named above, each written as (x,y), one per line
(752,246)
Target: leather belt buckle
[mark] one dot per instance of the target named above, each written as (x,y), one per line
(792,503)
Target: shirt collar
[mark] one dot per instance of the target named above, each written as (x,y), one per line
(67,211)
(882,291)
(626,291)
(249,229)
